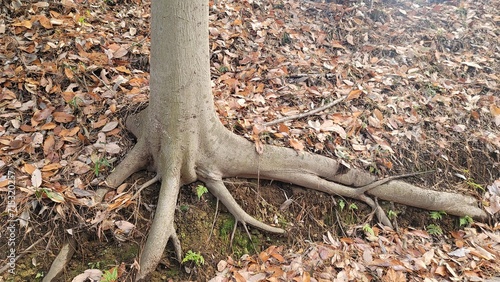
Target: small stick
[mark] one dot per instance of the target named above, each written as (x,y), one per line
(311,112)
(368,187)
(215,219)
(145,185)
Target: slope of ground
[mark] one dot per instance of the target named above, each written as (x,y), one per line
(420,89)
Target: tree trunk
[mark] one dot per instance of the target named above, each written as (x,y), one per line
(180,137)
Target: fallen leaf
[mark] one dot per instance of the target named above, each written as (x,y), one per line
(36,178)
(63,117)
(297,145)
(109,126)
(354,94)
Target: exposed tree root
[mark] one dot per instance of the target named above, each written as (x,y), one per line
(283,164)
(181,138)
(62,260)
(162,228)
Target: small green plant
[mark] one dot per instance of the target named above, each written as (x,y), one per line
(342,205)
(286,39)
(353,206)
(94,265)
(197,258)
(100,163)
(40,274)
(110,276)
(200,191)
(434,229)
(466,220)
(437,215)
(223,69)
(392,214)
(227,227)
(474,185)
(75,103)
(367,228)
(184,208)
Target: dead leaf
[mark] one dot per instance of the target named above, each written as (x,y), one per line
(297,145)
(109,126)
(54,196)
(36,178)
(495,111)
(63,117)
(354,94)
(394,276)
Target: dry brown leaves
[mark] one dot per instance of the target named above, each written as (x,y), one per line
(411,72)
(410,255)
(403,66)
(68,69)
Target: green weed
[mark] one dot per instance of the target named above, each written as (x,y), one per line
(392,214)
(437,215)
(367,228)
(200,191)
(434,229)
(197,258)
(110,276)
(99,164)
(342,205)
(466,220)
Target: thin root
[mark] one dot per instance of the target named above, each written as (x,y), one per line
(219,190)
(145,185)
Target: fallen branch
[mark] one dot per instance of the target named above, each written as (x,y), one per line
(377,183)
(309,113)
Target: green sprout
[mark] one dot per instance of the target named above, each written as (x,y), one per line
(437,215)
(466,220)
(341,205)
(200,191)
(99,164)
(474,185)
(392,214)
(434,229)
(367,228)
(110,276)
(197,258)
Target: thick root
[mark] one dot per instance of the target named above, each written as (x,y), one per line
(327,175)
(216,161)
(136,160)
(162,228)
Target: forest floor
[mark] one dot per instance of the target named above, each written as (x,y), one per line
(421,88)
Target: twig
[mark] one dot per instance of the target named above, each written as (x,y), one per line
(102,81)
(145,185)
(311,112)
(368,187)
(215,220)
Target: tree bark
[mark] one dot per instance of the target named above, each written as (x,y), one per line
(180,137)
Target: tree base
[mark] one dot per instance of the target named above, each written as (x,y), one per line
(220,154)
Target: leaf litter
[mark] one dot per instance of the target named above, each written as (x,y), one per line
(413,74)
